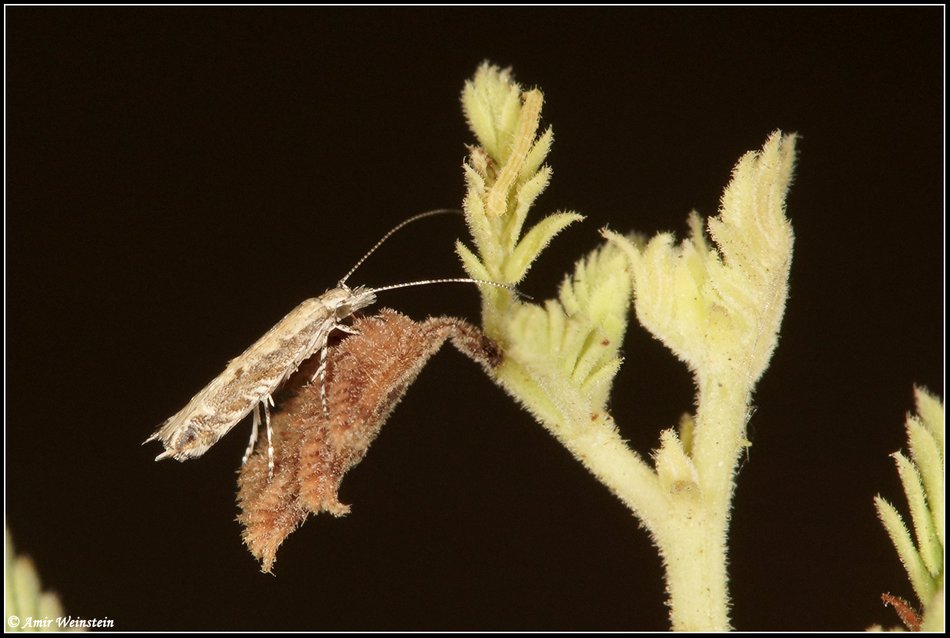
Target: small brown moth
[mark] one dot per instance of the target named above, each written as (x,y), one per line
(366,377)
(250,380)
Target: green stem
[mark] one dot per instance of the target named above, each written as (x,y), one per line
(696,572)
(600,448)
(694,543)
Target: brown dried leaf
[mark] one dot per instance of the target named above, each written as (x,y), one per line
(908,615)
(367,374)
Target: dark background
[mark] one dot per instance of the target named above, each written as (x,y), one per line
(178,179)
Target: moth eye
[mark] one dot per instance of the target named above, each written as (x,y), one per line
(344,311)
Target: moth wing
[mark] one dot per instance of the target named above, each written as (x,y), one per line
(247,380)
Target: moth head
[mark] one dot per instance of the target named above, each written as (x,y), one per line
(344,301)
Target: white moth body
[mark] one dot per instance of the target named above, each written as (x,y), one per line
(251,378)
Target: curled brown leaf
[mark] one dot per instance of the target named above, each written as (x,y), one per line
(367,375)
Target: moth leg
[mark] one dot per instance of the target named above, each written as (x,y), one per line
(269,401)
(321,373)
(253,441)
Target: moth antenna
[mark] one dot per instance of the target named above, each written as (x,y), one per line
(406,222)
(450,280)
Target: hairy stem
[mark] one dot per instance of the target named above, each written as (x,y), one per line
(694,544)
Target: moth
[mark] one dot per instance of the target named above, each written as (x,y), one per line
(250,380)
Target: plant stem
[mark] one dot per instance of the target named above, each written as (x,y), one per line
(696,573)
(694,543)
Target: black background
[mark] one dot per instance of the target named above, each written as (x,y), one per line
(178,179)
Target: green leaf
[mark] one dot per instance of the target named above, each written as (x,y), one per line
(471,263)
(916,570)
(577,339)
(931,412)
(23,595)
(534,242)
(929,462)
(600,289)
(536,156)
(492,105)
(929,549)
(527,193)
